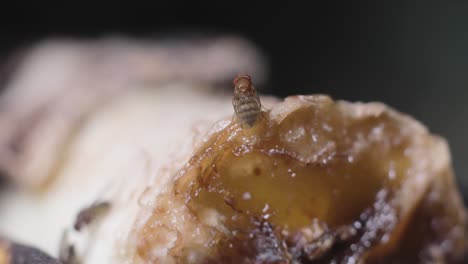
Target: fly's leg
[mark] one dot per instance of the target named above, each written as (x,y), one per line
(241,128)
(234,104)
(262,113)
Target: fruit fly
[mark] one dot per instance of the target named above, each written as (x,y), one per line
(89,214)
(246,102)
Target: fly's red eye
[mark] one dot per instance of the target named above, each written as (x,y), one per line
(242,83)
(242,76)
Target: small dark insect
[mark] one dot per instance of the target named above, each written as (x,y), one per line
(89,214)
(246,102)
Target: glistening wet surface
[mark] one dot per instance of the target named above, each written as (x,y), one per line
(315,186)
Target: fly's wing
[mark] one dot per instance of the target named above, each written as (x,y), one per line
(234,103)
(261,107)
(258,103)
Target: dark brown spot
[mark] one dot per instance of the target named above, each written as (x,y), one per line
(257,171)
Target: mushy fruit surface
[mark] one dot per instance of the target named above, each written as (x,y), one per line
(313,181)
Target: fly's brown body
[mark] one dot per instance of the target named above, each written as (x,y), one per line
(246,102)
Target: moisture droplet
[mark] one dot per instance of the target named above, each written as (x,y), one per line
(290,171)
(246,196)
(357,225)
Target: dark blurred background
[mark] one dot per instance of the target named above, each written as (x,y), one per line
(412,55)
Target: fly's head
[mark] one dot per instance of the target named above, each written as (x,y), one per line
(243,86)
